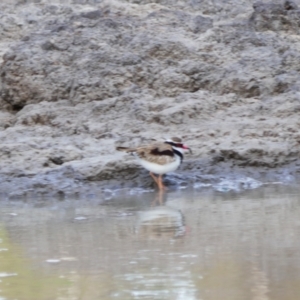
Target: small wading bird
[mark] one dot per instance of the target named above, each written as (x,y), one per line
(159,158)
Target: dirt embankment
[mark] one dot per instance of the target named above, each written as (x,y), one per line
(77,79)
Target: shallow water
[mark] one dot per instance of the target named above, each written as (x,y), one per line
(199,244)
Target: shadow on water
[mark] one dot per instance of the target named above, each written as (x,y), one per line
(179,245)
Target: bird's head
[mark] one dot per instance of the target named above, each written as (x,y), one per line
(177,144)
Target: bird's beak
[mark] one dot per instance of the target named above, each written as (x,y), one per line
(188,149)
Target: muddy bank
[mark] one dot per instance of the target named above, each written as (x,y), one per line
(77,79)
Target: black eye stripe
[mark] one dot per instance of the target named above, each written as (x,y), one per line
(178,145)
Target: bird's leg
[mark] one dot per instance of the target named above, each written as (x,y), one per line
(154,177)
(160,183)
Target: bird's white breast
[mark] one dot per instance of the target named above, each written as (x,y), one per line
(160,169)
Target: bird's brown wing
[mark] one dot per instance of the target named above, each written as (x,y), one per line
(159,153)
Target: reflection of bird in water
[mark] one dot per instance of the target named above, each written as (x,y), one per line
(160,221)
(159,158)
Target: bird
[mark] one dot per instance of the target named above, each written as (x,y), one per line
(159,158)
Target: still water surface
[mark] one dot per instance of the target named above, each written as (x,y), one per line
(195,245)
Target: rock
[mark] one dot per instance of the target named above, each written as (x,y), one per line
(78,79)
(276,16)
(201,24)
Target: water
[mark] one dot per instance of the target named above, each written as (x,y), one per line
(188,245)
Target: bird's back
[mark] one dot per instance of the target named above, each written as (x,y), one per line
(158,153)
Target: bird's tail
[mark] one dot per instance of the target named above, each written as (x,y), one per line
(126,149)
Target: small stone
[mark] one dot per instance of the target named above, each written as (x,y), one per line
(94,14)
